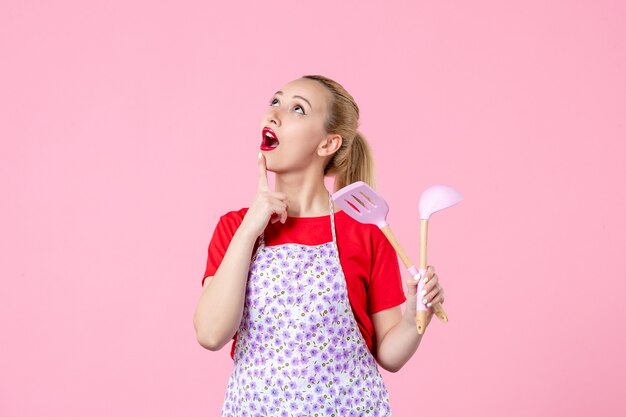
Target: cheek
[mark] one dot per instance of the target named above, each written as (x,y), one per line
(302,135)
(313,131)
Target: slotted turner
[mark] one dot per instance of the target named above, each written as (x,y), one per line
(363,204)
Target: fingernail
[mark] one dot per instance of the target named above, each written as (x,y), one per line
(416,277)
(425,280)
(424,300)
(429,304)
(259,156)
(423,292)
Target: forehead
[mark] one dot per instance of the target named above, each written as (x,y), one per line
(312,90)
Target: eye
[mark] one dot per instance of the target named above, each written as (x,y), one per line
(273,101)
(299,107)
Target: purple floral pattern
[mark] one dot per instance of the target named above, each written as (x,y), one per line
(299,351)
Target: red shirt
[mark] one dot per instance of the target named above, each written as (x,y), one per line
(368,260)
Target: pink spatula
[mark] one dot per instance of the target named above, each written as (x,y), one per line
(363,204)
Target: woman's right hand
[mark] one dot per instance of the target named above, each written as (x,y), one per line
(267,204)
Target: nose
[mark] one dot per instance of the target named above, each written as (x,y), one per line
(273,116)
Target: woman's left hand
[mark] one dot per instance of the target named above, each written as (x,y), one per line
(434,293)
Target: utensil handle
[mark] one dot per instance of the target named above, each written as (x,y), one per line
(437,307)
(396,245)
(421,317)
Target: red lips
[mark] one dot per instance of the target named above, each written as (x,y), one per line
(269,140)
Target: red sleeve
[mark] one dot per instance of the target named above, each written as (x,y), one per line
(385,287)
(222,235)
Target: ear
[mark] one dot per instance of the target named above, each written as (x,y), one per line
(330,145)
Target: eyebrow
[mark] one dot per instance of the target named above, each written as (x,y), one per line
(300,97)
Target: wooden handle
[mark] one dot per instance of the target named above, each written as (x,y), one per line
(392,239)
(422,316)
(437,307)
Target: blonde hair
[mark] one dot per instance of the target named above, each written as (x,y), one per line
(353,161)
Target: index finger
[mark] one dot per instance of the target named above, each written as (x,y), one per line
(263,183)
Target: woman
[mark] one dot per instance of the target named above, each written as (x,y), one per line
(312,302)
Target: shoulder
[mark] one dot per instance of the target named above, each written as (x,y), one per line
(360,240)
(367,234)
(230,221)
(234,215)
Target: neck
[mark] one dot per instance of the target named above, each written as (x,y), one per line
(306,196)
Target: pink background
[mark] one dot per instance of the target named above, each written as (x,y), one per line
(129,127)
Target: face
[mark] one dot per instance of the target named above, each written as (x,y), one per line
(295,117)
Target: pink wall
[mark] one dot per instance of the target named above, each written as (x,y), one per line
(129,127)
